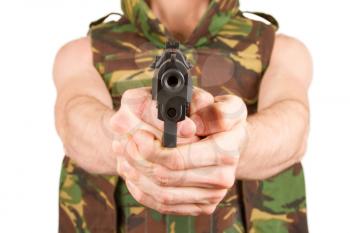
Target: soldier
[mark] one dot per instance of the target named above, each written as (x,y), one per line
(237,164)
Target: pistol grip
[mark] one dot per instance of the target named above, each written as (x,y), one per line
(170,134)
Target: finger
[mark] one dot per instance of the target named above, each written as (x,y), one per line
(219,149)
(137,99)
(126,171)
(200,99)
(139,149)
(179,195)
(181,209)
(220,116)
(133,104)
(143,147)
(186,128)
(218,177)
(149,181)
(183,141)
(124,123)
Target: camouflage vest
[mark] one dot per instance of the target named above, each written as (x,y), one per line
(230,54)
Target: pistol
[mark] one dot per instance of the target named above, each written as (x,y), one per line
(172,89)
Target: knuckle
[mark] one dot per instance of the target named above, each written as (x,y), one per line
(139,197)
(224,119)
(165,198)
(225,183)
(208,210)
(194,214)
(174,162)
(215,198)
(224,179)
(225,123)
(228,157)
(121,121)
(220,196)
(218,108)
(163,209)
(161,176)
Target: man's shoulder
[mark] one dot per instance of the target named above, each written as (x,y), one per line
(79,47)
(293,57)
(75,51)
(289,43)
(73,57)
(288,47)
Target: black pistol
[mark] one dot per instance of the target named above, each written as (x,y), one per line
(172,89)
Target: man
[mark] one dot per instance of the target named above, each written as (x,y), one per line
(236,167)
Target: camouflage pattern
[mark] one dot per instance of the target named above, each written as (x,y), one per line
(230,54)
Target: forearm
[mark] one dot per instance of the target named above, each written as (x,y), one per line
(276,140)
(83,125)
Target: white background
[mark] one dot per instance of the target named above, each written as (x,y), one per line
(30,152)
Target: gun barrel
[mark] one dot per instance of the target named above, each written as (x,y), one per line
(172,89)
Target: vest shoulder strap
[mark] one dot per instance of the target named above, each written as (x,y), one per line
(103,19)
(274,23)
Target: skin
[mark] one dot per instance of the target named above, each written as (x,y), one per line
(218,143)
(183,28)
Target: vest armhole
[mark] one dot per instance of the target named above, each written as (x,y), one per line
(266,44)
(97,56)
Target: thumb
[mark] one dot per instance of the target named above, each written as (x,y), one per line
(186,128)
(220,116)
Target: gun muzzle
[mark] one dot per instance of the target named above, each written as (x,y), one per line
(172,89)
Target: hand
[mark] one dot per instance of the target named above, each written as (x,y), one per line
(193,178)
(174,181)
(138,111)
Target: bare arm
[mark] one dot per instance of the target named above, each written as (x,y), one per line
(277,134)
(83,108)
(85,120)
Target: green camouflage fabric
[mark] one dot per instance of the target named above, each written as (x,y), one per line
(230,54)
